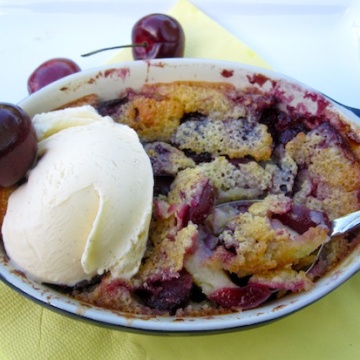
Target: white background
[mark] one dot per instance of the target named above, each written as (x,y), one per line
(315,41)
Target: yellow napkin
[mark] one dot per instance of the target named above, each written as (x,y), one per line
(328,329)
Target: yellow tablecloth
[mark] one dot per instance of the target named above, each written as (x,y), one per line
(328,329)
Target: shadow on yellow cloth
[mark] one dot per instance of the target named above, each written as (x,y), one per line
(328,329)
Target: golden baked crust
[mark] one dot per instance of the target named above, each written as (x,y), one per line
(260,246)
(211,99)
(211,143)
(332,168)
(323,160)
(156,113)
(152,119)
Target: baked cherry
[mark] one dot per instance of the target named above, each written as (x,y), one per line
(18,144)
(155,36)
(201,204)
(50,71)
(301,218)
(246,297)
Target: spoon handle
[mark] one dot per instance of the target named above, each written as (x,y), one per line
(345,223)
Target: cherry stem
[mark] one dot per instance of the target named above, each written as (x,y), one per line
(143,44)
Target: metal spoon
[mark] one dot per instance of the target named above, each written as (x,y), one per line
(339,226)
(345,223)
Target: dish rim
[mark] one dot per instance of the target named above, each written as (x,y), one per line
(214,324)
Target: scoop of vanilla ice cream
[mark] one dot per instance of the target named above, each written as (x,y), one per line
(86,206)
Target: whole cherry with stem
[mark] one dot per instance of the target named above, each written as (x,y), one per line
(154,36)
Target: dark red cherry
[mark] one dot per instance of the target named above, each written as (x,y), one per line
(18,144)
(246,297)
(163,35)
(301,218)
(50,71)
(155,36)
(167,295)
(200,208)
